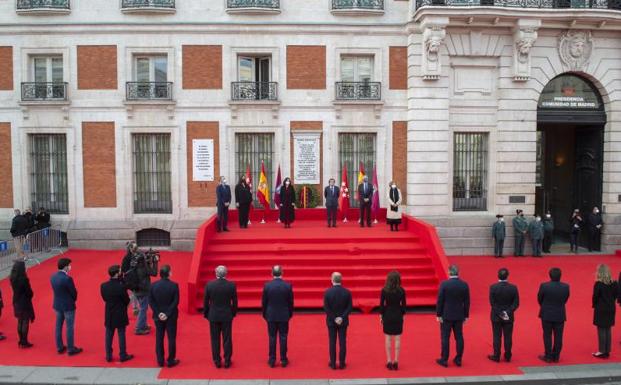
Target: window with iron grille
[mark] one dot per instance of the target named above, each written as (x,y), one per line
(48,172)
(250,151)
(151,168)
(153,238)
(470,171)
(354,149)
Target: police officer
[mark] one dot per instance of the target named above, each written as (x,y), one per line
(548,231)
(520,227)
(498,233)
(535,229)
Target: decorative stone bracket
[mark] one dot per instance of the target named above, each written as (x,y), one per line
(434,32)
(524,38)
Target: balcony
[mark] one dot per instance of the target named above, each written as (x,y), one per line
(253,6)
(44,92)
(358,91)
(547,4)
(148,6)
(357,7)
(42,7)
(149,91)
(251,91)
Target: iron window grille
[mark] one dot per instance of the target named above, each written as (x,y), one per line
(358,90)
(358,4)
(153,237)
(48,172)
(152,173)
(267,4)
(609,4)
(353,149)
(470,171)
(41,91)
(167,4)
(149,90)
(43,4)
(250,150)
(248,90)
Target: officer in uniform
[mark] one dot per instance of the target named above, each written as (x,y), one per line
(548,232)
(535,229)
(520,227)
(498,233)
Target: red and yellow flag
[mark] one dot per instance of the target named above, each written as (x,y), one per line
(263,191)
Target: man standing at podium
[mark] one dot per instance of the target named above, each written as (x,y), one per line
(331,195)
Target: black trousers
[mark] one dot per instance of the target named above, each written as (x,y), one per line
(537,243)
(519,245)
(446,327)
(499,244)
(595,236)
(221,336)
(222,221)
(341,332)
(547,241)
(500,329)
(573,240)
(604,338)
(244,209)
(23,325)
(331,215)
(166,328)
(278,330)
(365,212)
(122,342)
(549,328)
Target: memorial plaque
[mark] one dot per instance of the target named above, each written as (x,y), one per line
(202,160)
(306,155)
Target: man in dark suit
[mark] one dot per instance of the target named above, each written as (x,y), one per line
(452,310)
(337,304)
(504,300)
(331,195)
(552,297)
(277,305)
(223,201)
(365,193)
(65,296)
(114,294)
(164,302)
(220,307)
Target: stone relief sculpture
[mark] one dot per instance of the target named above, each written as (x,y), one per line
(433,37)
(575,48)
(524,40)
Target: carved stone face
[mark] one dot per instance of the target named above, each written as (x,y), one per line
(524,46)
(434,45)
(576,47)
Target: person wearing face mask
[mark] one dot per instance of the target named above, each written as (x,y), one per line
(365,193)
(393,214)
(65,296)
(287,203)
(243,197)
(498,234)
(331,194)
(548,232)
(520,227)
(223,201)
(535,229)
(594,226)
(575,223)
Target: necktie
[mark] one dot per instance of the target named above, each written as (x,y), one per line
(365,188)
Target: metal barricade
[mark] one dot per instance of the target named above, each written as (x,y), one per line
(41,241)
(8,254)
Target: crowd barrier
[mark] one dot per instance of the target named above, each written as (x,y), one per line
(28,247)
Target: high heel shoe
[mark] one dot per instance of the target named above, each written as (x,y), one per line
(389,365)
(395,365)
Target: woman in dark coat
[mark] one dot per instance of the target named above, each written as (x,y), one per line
(243,198)
(287,202)
(22,302)
(392,310)
(605,294)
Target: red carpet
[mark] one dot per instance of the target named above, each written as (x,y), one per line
(308,338)
(310,252)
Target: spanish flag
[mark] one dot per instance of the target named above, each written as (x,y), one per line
(263,191)
(360,176)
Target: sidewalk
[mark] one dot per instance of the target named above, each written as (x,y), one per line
(570,374)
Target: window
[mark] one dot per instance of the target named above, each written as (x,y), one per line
(153,238)
(470,172)
(151,167)
(254,79)
(355,149)
(250,151)
(48,172)
(150,78)
(356,79)
(46,74)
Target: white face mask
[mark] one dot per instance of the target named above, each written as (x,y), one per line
(501,219)
(287,183)
(596,211)
(223,181)
(537,219)
(548,216)
(394,186)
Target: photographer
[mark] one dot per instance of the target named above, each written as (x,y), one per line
(138,268)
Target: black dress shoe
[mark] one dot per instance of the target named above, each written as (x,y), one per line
(494,358)
(227,364)
(160,364)
(62,350)
(218,364)
(395,365)
(127,357)
(75,351)
(332,366)
(342,365)
(544,358)
(441,362)
(2,337)
(227,230)
(284,363)
(271,363)
(108,359)
(389,365)
(25,345)
(457,362)
(173,363)
(507,359)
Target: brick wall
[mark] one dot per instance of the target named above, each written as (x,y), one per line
(97,69)
(6,68)
(99,164)
(400,156)
(203,194)
(6,166)
(398,68)
(306,67)
(202,66)
(306,126)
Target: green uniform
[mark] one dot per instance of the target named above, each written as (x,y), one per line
(520,227)
(535,229)
(498,233)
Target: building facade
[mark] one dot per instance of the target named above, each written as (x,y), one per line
(463,104)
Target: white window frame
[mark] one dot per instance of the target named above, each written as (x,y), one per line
(132,52)
(254,64)
(232,75)
(356,69)
(376,53)
(151,59)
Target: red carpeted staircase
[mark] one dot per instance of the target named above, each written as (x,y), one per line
(310,251)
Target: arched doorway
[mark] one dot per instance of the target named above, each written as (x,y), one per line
(570,141)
